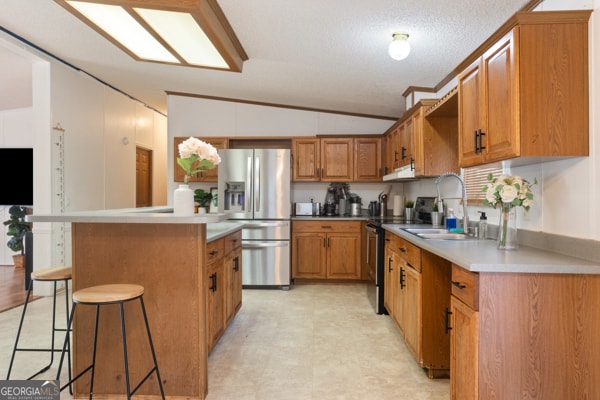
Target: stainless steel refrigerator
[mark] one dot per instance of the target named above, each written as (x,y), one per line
(254,187)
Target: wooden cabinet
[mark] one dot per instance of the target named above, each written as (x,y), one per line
(224,284)
(306,159)
(326,250)
(520,335)
(417,297)
(233,271)
(210,175)
(337,159)
(425,142)
(527,96)
(464,349)
(216,291)
(368,159)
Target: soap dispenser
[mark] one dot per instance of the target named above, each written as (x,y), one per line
(482,225)
(450,219)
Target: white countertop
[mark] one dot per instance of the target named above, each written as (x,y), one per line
(143,215)
(221,229)
(483,255)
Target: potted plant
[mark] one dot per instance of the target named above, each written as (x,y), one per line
(437,216)
(202,198)
(17,228)
(408,210)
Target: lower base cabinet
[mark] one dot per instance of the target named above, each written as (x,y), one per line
(417,297)
(524,336)
(224,284)
(326,250)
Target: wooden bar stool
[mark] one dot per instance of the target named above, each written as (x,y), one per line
(55,275)
(105,295)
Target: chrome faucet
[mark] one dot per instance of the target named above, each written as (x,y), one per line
(464,197)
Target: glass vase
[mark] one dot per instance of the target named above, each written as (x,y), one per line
(507,228)
(183,200)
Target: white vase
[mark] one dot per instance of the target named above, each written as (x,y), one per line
(183,200)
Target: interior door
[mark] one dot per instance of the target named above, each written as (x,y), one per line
(143,177)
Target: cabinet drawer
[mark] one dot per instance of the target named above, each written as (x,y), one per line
(215,250)
(410,253)
(233,241)
(465,286)
(326,226)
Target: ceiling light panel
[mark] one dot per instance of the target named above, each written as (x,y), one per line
(120,25)
(192,32)
(184,35)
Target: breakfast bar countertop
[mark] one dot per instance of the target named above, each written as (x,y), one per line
(483,256)
(142,215)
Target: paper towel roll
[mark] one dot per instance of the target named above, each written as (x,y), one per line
(398,205)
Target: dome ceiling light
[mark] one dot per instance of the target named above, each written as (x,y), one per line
(400,47)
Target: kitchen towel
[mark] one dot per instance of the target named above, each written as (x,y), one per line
(398,205)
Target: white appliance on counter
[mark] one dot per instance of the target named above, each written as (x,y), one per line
(254,188)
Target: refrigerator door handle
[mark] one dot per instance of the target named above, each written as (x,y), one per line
(260,245)
(249,182)
(257,184)
(265,224)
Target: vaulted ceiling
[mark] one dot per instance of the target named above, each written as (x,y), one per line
(325,54)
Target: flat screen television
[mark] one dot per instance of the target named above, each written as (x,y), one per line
(16,176)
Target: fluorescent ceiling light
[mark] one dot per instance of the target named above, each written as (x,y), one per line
(196,34)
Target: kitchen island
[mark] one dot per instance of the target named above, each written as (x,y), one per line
(519,324)
(166,254)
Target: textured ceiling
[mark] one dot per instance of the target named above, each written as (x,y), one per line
(327,54)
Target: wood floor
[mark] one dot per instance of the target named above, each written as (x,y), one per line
(12,287)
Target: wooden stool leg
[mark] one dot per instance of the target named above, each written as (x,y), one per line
(162,393)
(124,338)
(12,358)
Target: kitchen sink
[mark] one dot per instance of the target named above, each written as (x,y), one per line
(437,233)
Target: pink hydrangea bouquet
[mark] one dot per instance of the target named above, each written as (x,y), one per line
(196,156)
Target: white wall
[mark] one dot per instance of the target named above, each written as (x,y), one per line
(191,116)
(101,130)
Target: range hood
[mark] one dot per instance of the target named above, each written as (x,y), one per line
(405,172)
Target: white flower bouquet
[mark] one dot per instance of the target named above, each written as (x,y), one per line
(196,156)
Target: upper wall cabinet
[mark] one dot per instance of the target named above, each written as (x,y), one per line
(210,175)
(337,159)
(425,140)
(527,95)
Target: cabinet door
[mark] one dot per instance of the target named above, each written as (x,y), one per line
(337,156)
(233,269)
(470,102)
(343,256)
(502,139)
(309,255)
(407,141)
(210,175)
(215,301)
(367,159)
(306,159)
(390,275)
(402,146)
(464,366)
(411,310)
(393,149)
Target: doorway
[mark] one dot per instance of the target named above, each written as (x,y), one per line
(143,177)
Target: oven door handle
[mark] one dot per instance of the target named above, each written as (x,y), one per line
(372,228)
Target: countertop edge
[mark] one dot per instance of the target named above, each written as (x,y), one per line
(483,256)
(147,215)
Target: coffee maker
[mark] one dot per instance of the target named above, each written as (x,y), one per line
(330,202)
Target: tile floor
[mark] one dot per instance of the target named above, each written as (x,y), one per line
(312,342)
